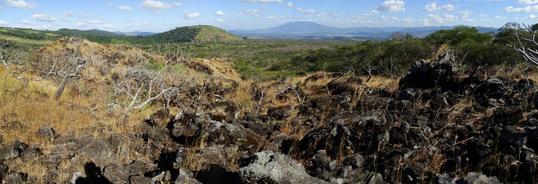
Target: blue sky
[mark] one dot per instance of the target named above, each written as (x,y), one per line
(161,15)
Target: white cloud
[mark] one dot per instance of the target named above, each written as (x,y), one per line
(306,11)
(392,6)
(434,6)
(528,1)
(44,17)
(252,12)
(21,4)
(94,23)
(125,8)
(69,13)
(220,20)
(290,4)
(3,23)
(394,19)
(219,13)
(156,5)
(435,19)
(192,15)
(530,8)
(532,16)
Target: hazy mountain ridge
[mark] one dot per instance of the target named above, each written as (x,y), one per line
(136,33)
(312,30)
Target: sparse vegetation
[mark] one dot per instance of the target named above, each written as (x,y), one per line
(185,105)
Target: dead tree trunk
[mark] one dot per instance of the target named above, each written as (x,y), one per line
(2,54)
(61,88)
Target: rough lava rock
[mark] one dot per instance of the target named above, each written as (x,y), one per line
(46,132)
(270,167)
(12,151)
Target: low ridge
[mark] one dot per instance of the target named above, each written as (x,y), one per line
(201,33)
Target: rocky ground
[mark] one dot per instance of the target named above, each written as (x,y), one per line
(440,124)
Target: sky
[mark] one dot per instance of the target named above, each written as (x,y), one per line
(162,15)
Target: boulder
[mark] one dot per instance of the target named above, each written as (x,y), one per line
(216,174)
(509,115)
(479,178)
(270,167)
(140,179)
(12,151)
(31,152)
(279,113)
(3,171)
(46,132)
(186,177)
(184,126)
(116,174)
(15,178)
(427,75)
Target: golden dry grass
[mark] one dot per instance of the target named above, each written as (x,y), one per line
(26,105)
(381,82)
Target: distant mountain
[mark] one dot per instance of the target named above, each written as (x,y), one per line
(300,28)
(201,33)
(312,30)
(136,33)
(84,33)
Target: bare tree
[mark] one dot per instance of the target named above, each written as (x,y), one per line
(139,87)
(2,50)
(68,73)
(369,69)
(525,42)
(63,69)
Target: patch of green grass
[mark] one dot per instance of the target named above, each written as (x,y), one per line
(179,68)
(23,41)
(152,65)
(254,59)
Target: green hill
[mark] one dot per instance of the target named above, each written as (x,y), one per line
(96,35)
(201,33)
(92,33)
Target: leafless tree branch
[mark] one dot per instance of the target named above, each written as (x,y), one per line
(525,43)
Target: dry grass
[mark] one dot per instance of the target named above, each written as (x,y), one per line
(380,82)
(26,105)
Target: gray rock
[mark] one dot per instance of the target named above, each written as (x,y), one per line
(31,152)
(116,174)
(15,178)
(139,168)
(479,178)
(273,167)
(376,178)
(47,132)
(163,177)
(140,179)
(99,150)
(115,141)
(12,151)
(3,171)
(186,177)
(470,178)
(185,125)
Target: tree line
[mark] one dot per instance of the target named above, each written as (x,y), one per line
(392,57)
